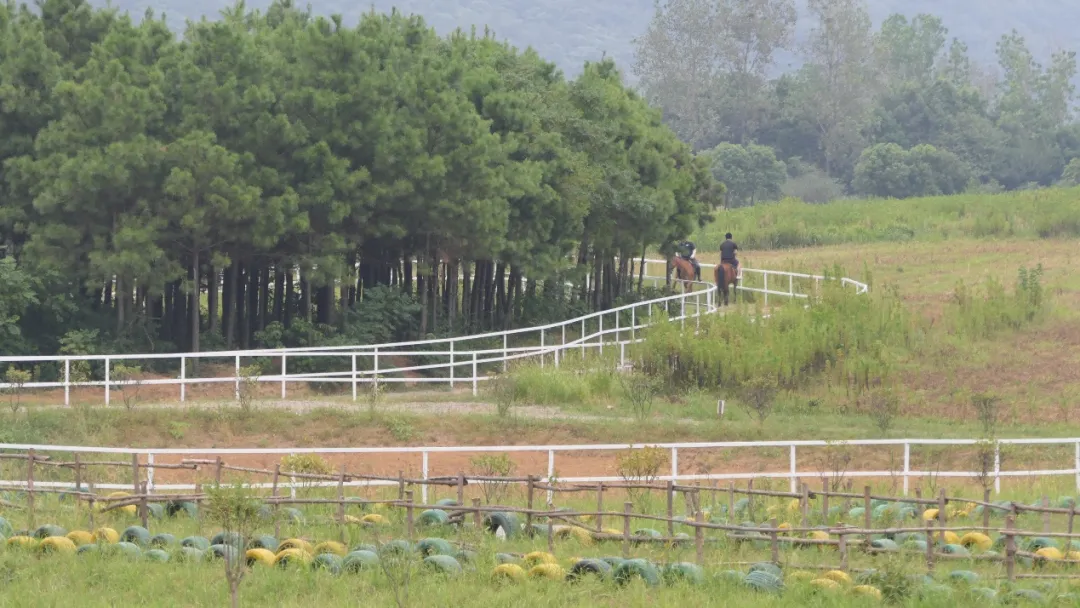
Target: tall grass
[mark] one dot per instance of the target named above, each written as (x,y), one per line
(1050,213)
(852,341)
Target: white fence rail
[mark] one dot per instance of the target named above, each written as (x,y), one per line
(794,472)
(614,328)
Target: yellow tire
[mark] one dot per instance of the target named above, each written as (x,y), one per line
(374,519)
(824,583)
(867,590)
(292,555)
(794,506)
(22,542)
(951,538)
(330,546)
(81,537)
(296,543)
(537,558)
(352,519)
(57,544)
(552,572)
(581,535)
(837,575)
(131,510)
(929,514)
(784,526)
(265,557)
(1050,553)
(508,572)
(802,575)
(976,540)
(1073,556)
(107,536)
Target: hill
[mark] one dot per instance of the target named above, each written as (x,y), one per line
(570,33)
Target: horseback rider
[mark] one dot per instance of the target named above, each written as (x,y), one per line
(727,253)
(689,253)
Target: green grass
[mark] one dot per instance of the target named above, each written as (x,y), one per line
(30,580)
(1050,213)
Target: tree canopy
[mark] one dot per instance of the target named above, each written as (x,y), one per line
(275,170)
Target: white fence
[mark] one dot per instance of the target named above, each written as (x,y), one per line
(614,328)
(794,472)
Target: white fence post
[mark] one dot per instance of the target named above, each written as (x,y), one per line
(183,378)
(794,470)
(283,373)
(423,488)
(1078,466)
(375,375)
(765,274)
(474,377)
(504,353)
(541,348)
(674,463)
(601,334)
(107,366)
(618,331)
(582,338)
(451,365)
(237,379)
(67,381)
(633,323)
(551,473)
(150,472)
(354,376)
(997,467)
(907,465)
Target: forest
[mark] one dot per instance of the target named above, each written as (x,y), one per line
(897,110)
(275,178)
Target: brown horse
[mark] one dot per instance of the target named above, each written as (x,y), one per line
(684,271)
(725,276)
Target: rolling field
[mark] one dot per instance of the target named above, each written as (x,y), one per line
(946,340)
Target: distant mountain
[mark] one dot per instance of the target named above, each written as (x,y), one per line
(570,32)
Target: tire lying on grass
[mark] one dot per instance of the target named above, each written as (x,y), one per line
(976,540)
(360,560)
(443,564)
(107,536)
(581,535)
(81,537)
(553,572)
(137,535)
(331,547)
(263,542)
(196,542)
(396,547)
(175,508)
(374,519)
(5,528)
(684,572)
(508,572)
(535,558)
(287,558)
(48,530)
(259,555)
(190,554)
(502,524)
(296,543)
(761,580)
(126,549)
(632,569)
(227,538)
(435,546)
(57,544)
(22,542)
(589,567)
(328,562)
(162,541)
(156,510)
(433,517)
(157,555)
(129,510)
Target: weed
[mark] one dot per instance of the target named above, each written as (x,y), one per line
(639,391)
(884,407)
(399,427)
(247,379)
(16,382)
(311,464)
(758,395)
(501,387)
(641,466)
(236,510)
(129,382)
(493,465)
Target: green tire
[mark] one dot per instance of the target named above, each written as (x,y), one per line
(196,542)
(137,535)
(590,567)
(637,569)
(433,517)
(360,560)
(327,561)
(443,564)
(435,546)
(162,540)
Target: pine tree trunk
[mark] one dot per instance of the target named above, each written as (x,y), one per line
(196,305)
(279,293)
(212,285)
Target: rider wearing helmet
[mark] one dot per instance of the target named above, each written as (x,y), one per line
(727,253)
(689,253)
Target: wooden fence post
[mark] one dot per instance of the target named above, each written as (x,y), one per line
(930,546)
(699,537)
(867,512)
(750,499)
(144,506)
(409,514)
(461,488)
(135,473)
(1072,515)
(825,500)
(599,505)
(478,520)
(942,517)
(628,508)
(670,508)
(30,485)
(1046,515)
(731,501)
(530,489)
(277,505)
(401,485)
(843,551)
(217,471)
(341,504)
(775,542)
(805,499)
(1010,548)
(551,535)
(986,511)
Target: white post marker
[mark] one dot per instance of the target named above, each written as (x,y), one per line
(720,408)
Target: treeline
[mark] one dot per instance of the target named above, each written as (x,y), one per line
(276,178)
(896,111)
